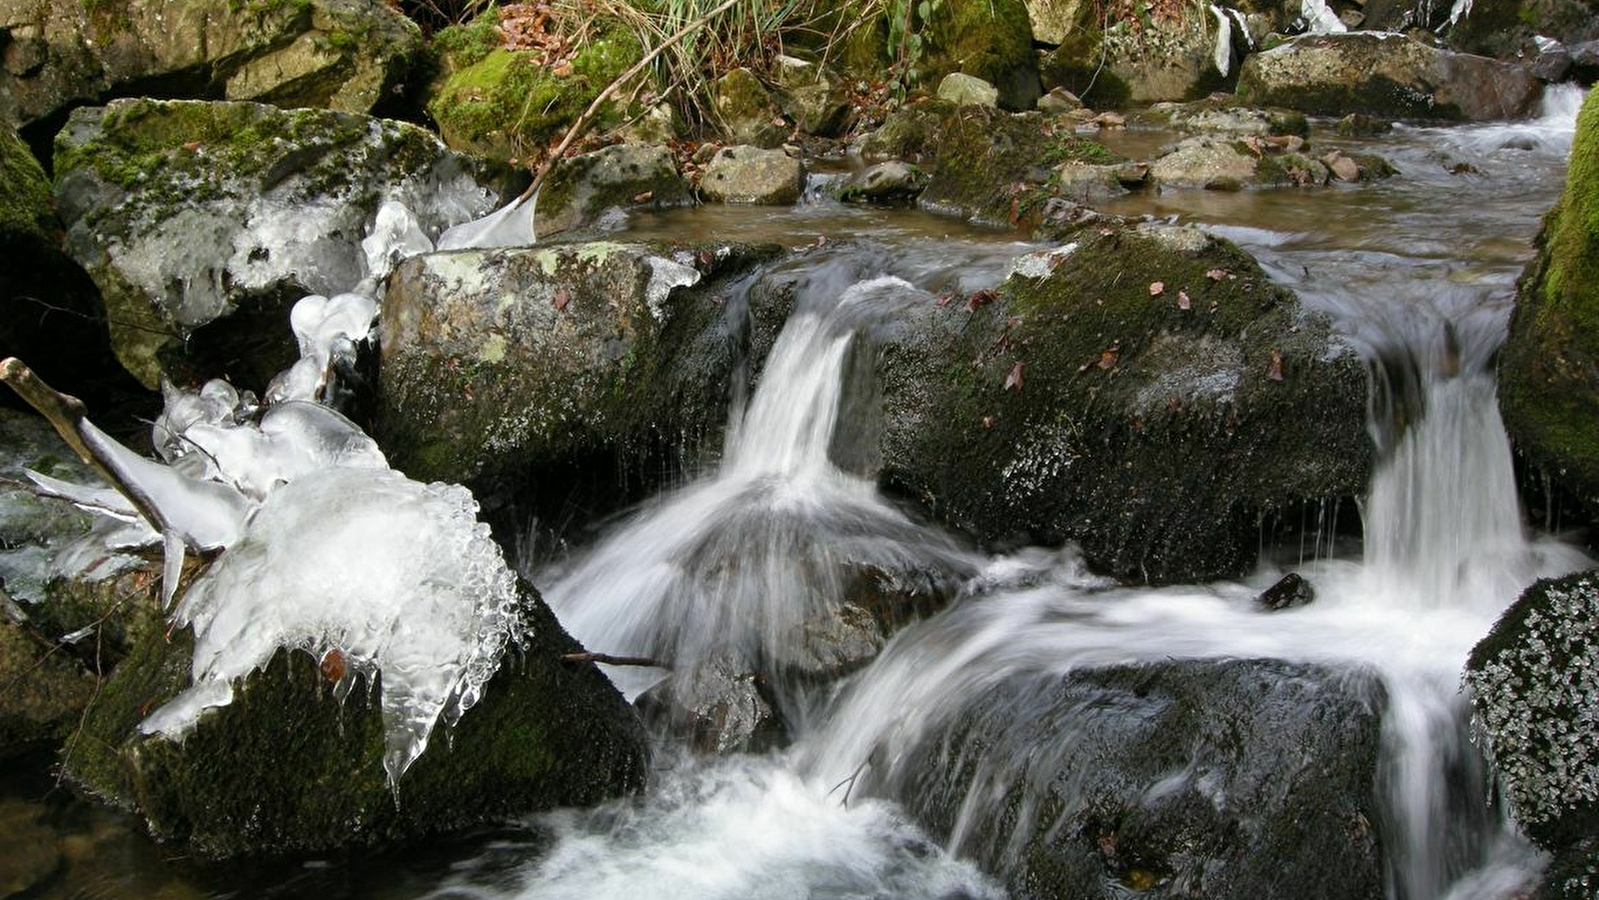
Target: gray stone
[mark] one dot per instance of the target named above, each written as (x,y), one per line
(885,182)
(580,189)
(745,111)
(1058,101)
(967,90)
(746,174)
(814,97)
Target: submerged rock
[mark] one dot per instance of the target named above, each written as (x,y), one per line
(202,223)
(1218,779)
(347,55)
(1290,590)
(1144,390)
(1386,75)
(1549,366)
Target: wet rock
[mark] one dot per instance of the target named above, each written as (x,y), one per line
(1172,57)
(347,55)
(1206,162)
(29,849)
(1059,101)
(967,90)
(1573,873)
(1548,377)
(581,189)
(814,97)
(1290,590)
(201,223)
(602,349)
(1386,75)
(1212,118)
(287,768)
(46,691)
(1362,125)
(1144,390)
(719,706)
(746,174)
(1532,681)
(1552,65)
(745,111)
(1508,29)
(885,182)
(511,103)
(1180,779)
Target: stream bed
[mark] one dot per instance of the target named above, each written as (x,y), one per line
(1417,271)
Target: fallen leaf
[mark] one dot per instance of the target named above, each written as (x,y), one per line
(1156,288)
(1183,302)
(645,197)
(988,421)
(333,665)
(1107,357)
(1014,379)
(1276,371)
(1218,275)
(192,146)
(562,69)
(979,298)
(946,299)
(561,299)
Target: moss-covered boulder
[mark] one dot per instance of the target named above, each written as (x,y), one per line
(1242,778)
(288,767)
(202,222)
(580,190)
(1549,367)
(745,111)
(502,365)
(990,39)
(1386,75)
(1534,680)
(814,97)
(1143,390)
(1177,52)
(987,165)
(349,55)
(510,103)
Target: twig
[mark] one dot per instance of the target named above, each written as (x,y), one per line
(853,777)
(599,100)
(610,660)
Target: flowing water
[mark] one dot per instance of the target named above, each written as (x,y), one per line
(1416,271)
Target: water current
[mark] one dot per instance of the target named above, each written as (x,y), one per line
(1416,271)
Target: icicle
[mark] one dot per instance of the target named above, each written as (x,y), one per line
(1224,40)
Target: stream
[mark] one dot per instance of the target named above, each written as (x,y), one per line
(1417,271)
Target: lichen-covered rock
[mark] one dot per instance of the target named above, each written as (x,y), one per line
(746,112)
(348,55)
(1535,681)
(1211,117)
(288,768)
(497,364)
(967,90)
(580,189)
(1225,163)
(747,174)
(1178,55)
(814,97)
(1386,75)
(1144,390)
(1549,367)
(1242,778)
(885,182)
(201,223)
(508,103)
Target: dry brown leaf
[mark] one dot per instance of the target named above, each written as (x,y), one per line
(1013,381)
(1275,373)
(1107,357)
(1183,302)
(1156,288)
(561,299)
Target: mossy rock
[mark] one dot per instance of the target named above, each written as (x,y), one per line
(991,39)
(1078,66)
(1533,680)
(578,190)
(203,222)
(501,367)
(1573,874)
(287,768)
(1082,401)
(1549,367)
(511,103)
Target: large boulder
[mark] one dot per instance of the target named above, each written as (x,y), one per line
(202,222)
(991,39)
(1215,779)
(497,364)
(1533,680)
(1387,75)
(1549,367)
(580,190)
(291,766)
(746,174)
(1144,390)
(348,55)
(1182,54)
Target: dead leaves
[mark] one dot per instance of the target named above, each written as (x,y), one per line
(1275,372)
(1014,380)
(1156,288)
(333,665)
(561,298)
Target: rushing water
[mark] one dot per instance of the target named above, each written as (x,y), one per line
(1417,272)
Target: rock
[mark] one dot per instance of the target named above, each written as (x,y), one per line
(989,39)
(1532,681)
(1074,403)
(29,852)
(347,55)
(1209,162)
(1220,163)
(1170,58)
(201,223)
(884,182)
(1212,118)
(745,111)
(814,97)
(602,350)
(1290,590)
(287,768)
(967,90)
(583,187)
(1054,21)
(31,526)
(510,103)
(1246,778)
(50,312)
(1386,75)
(45,692)
(719,706)
(1551,66)
(1548,378)
(1508,29)
(1585,61)
(746,174)
(1573,873)
(1362,125)
(1059,101)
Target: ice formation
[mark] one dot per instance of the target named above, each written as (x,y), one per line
(514,225)
(398,576)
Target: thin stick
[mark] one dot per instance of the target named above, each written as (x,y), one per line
(599,100)
(610,660)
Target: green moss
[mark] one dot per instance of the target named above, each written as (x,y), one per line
(26,203)
(467,45)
